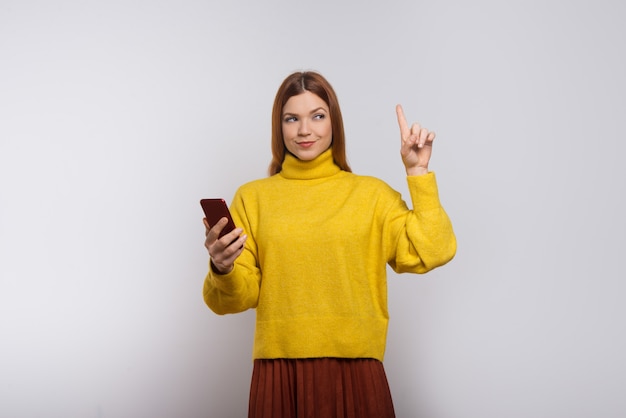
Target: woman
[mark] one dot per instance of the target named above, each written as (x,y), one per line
(310,255)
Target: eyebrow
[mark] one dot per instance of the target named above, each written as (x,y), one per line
(311,112)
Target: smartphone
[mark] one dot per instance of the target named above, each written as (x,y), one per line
(216,209)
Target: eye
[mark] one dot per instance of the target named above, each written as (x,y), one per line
(288,119)
(319,116)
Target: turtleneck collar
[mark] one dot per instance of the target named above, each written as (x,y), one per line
(320,167)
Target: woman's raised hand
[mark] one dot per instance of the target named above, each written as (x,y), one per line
(416,147)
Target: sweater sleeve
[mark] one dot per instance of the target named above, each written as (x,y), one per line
(424,238)
(237,290)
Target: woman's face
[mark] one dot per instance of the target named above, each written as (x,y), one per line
(307,130)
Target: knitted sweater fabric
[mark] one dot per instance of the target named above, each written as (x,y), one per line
(314,263)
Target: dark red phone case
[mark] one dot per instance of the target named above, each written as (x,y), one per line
(216,209)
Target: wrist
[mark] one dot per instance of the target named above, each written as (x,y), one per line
(221,269)
(416,171)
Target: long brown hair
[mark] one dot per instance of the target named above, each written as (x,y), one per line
(295,84)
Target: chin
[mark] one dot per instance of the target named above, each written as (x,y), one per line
(308,156)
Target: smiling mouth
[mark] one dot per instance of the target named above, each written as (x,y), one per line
(305,143)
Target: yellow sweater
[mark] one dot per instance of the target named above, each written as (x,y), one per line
(314,265)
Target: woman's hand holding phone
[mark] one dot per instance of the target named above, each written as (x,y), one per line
(223,251)
(223,240)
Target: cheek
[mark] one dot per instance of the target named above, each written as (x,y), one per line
(329,130)
(288,132)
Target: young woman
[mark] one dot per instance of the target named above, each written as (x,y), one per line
(310,254)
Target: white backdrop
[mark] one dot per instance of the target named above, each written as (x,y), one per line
(116,117)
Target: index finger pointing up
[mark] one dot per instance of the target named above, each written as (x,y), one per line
(405,132)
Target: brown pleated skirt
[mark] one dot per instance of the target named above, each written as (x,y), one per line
(319,388)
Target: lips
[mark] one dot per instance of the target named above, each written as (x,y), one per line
(306,144)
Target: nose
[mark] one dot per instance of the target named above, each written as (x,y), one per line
(303,128)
